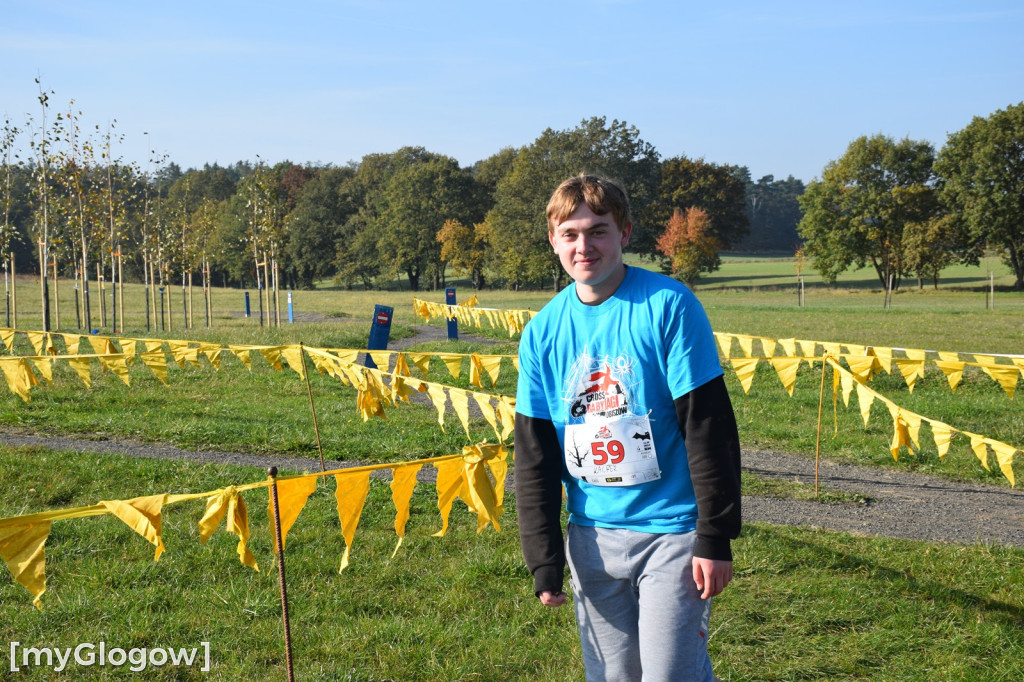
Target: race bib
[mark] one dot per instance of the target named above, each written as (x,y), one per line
(612,452)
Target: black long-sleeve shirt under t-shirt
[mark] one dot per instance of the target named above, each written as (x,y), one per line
(709,431)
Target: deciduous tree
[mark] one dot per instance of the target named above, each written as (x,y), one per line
(857,213)
(982,167)
(689,243)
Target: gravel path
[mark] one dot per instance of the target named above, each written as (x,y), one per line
(904,505)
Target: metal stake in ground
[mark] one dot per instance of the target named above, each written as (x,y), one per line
(272,471)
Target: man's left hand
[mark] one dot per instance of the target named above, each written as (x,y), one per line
(711,576)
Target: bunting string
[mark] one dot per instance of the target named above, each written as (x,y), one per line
(476,476)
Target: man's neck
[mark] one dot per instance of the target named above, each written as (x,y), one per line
(599,293)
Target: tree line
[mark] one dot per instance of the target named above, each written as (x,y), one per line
(74,207)
(910,211)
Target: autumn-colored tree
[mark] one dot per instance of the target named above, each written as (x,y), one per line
(467,249)
(689,243)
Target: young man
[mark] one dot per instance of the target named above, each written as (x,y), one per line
(621,400)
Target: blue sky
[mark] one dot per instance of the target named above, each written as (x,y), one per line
(780,87)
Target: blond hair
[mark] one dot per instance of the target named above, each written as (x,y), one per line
(602,196)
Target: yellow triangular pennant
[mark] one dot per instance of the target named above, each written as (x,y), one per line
(403,481)
(142,515)
(227,503)
(292,494)
(22,548)
(350,493)
(954,371)
(745,369)
(786,369)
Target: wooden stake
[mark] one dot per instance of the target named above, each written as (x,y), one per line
(272,471)
(312,409)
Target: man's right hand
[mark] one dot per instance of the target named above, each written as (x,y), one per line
(549,598)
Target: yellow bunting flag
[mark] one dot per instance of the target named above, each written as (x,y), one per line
(745,369)
(292,494)
(808,349)
(475,370)
(460,403)
(954,371)
(351,492)
(21,547)
(381,358)
(453,362)
(20,378)
(980,449)
(272,354)
(421,360)
(492,365)
(768,347)
(911,370)
(44,365)
(479,487)
(483,401)
(128,348)
(38,341)
(788,346)
(507,415)
(1006,376)
(864,399)
(862,366)
(1004,455)
(449,483)
(212,351)
(943,434)
(724,343)
(919,356)
(833,349)
(71,342)
(102,345)
(82,365)
(438,397)
(7,336)
(228,503)
(119,366)
(901,434)
(242,353)
(402,366)
(746,345)
(142,515)
(157,362)
(884,356)
(846,381)
(403,481)
(293,356)
(786,369)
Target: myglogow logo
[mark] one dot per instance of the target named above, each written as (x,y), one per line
(86,655)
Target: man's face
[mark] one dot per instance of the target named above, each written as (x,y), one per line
(589,247)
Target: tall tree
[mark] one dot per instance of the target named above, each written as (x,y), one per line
(315,225)
(858,212)
(689,243)
(773,207)
(518,226)
(719,190)
(416,202)
(983,171)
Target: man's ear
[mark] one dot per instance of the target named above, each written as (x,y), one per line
(551,238)
(626,231)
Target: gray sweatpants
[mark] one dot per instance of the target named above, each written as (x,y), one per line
(638,610)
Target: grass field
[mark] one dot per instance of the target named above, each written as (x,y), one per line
(805,605)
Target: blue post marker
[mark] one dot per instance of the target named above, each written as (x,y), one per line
(247,311)
(453,324)
(380,331)
(291,312)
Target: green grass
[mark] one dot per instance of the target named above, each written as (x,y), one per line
(804,604)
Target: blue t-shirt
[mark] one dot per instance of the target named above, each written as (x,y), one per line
(635,353)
